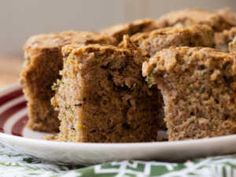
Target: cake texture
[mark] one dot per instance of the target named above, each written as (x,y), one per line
(156,40)
(142,25)
(232,45)
(218,20)
(43,60)
(224,41)
(102,96)
(198,87)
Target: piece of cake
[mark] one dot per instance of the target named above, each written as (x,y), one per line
(198,86)
(102,96)
(43,60)
(216,19)
(195,35)
(142,25)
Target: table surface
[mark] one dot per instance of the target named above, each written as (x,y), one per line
(9,70)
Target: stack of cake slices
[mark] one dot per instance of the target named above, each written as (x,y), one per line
(131,81)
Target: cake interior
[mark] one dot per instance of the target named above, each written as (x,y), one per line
(102,97)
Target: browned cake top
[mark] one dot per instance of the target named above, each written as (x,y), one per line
(197,29)
(216,20)
(91,51)
(128,50)
(76,50)
(131,28)
(167,59)
(55,40)
(194,35)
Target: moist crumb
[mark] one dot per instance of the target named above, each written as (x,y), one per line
(218,20)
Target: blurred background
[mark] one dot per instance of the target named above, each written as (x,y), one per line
(21,19)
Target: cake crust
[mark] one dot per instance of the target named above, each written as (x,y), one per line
(156,40)
(218,20)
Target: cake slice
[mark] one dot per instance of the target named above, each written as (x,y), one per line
(192,36)
(102,96)
(198,86)
(43,60)
(218,20)
(142,25)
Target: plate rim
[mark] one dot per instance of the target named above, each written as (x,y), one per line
(159,143)
(91,153)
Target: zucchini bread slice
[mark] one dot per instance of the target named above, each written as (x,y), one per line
(199,91)
(102,96)
(43,60)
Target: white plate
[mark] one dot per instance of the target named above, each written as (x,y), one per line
(14,134)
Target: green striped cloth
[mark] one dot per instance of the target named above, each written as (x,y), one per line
(13,164)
